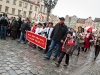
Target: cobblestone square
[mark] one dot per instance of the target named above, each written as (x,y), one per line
(21,59)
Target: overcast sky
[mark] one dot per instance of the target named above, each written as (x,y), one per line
(80,8)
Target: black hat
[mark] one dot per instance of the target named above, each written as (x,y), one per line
(62,18)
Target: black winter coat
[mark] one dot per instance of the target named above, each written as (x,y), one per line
(59,32)
(4,22)
(25,26)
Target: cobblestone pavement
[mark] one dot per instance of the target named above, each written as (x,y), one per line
(21,59)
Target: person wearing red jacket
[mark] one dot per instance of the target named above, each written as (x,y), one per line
(88,38)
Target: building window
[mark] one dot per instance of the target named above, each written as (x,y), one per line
(0,7)
(13,11)
(14,2)
(30,13)
(41,9)
(24,14)
(27,0)
(7,1)
(19,12)
(44,10)
(35,8)
(31,7)
(25,5)
(20,3)
(6,9)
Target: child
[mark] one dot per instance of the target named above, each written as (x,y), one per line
(66,49)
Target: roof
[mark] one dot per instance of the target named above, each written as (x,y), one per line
(97,20)
(80,20)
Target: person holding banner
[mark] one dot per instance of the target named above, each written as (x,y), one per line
(49,31)
(40,31)
(57,37)
(33,29)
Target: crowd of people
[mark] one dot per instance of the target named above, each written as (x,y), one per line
(62,39)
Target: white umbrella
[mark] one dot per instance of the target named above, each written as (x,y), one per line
(94,30)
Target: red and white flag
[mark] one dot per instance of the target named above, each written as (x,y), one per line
(34,15)
(40,15)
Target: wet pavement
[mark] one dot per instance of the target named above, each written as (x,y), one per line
(21,59)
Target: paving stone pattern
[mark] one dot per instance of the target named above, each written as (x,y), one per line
(21,59)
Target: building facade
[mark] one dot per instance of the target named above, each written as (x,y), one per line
(34,9)
(73,21)
(67,20)
(54,19)
(96,23)
(80,22)
(89,22)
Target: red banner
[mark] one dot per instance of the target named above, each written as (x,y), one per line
(36,39)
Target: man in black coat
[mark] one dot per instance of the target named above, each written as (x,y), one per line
(24,27)
(19,27)
(58,35)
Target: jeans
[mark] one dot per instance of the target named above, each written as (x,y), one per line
(52,45)
(3,31)
(62,56)
(21,37)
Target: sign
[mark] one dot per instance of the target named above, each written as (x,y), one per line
(36,39)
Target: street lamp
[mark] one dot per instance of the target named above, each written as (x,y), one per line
(50,4)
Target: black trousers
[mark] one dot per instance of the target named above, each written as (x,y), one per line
(14,33)
(47,46)
(97,50)
(18,33)
(79,49)
(62,56)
